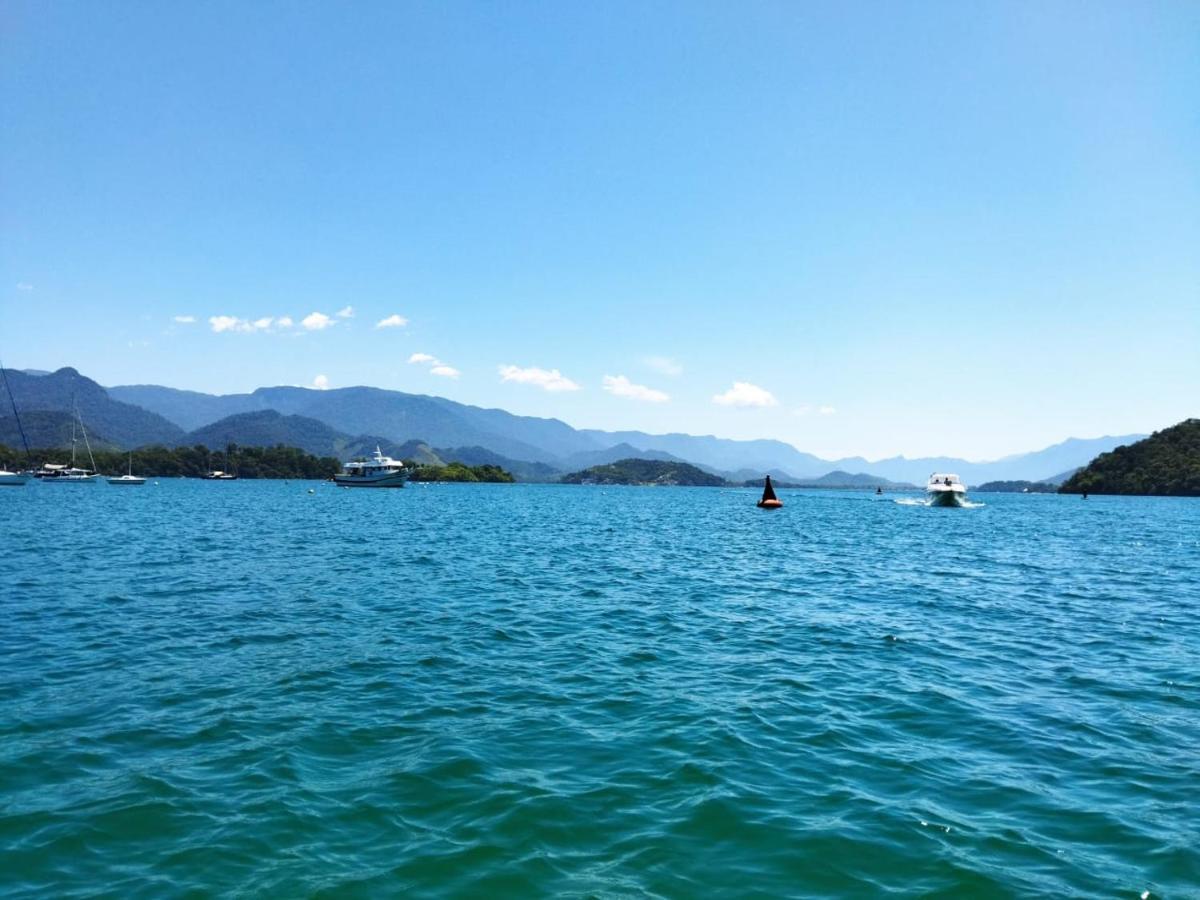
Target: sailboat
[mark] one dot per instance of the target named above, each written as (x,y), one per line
(769,500)
(129,478)
(59,474)
(14,479)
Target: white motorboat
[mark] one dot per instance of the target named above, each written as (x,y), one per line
(945,490)
(379,471)
(12,479)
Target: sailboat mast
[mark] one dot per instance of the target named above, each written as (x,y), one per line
(86,442)
(16,415)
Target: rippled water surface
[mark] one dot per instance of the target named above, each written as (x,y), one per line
(249,689)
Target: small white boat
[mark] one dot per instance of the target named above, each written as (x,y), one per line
(380,471)
(945,490)
(129,478)
(12,479)
(218,475)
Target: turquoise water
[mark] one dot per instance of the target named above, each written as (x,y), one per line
(247,689)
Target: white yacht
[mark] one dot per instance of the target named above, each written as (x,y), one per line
(945,490)
(379,471)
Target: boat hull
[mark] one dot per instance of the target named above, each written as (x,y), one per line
(12,479)
(71,479)
(946,498)
(129,482)
(391,480)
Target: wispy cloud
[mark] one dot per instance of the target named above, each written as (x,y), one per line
(24,286)
(827,411)
(436,366)
(392,321)
(185,320)
(664,365)
(321,382)
(317,321)
(621,386)
(546,379)
(284,322)
(346,312)
(743,393)
(221,324)
(243,326)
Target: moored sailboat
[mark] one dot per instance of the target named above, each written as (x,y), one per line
(72,474)
(129,478)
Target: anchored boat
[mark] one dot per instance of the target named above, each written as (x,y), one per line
(945,490)
(379,471)
(129,478)
(51,473)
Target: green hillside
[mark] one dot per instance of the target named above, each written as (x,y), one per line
(645,472)
(1165,464)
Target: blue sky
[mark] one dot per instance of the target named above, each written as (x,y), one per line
(970,229)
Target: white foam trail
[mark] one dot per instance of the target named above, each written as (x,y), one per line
(912,501)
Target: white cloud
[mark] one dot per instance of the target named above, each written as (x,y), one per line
(392,321)
(316,321)
(284,322)
(546,379)
(185,320)
(233,323)
(321,382)
(743,393)
(623,387)
(436,366)
(24,286)
(225,323)
(664,365)
(346,312)
(827,410)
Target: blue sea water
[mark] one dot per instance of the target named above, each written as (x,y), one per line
(246,689)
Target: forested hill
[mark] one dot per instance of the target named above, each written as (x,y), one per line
(645,471)
(1166,464)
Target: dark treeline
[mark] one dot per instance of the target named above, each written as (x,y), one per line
(188,462)
(458,472)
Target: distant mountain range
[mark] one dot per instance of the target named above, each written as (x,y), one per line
(838,479)
(345,422)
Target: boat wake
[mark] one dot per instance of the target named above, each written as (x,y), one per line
(913,501)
